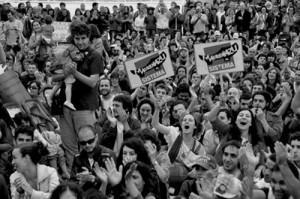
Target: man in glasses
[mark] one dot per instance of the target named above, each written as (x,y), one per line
(91,154)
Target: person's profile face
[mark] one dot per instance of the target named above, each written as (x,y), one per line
(19,162)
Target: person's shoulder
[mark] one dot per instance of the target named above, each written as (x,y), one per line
(93,52)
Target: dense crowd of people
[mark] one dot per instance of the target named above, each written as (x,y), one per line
(85,133)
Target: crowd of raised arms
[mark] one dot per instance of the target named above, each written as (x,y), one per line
(84,133)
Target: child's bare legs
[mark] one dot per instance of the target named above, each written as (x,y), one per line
(69,81)
(62,163)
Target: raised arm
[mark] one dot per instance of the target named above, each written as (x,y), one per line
(290,180)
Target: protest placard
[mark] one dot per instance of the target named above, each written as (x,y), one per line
(219,57)
(61,31)
(149,68)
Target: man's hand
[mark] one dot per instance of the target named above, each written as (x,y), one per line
(85,176)
(259,113)
(100,172)
(123,116)
(21,182)
(114,176)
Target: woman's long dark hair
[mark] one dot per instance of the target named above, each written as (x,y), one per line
(277,79)
(235,133)
(138,146)
(144,101)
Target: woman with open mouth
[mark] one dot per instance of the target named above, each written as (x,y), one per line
(242,129)
(183,148)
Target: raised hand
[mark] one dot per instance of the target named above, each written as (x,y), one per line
(101,173)
(110,117)
(281,153)
(114,175)
(251,157)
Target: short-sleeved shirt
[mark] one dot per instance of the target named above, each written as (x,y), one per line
(12,30)
(83,96)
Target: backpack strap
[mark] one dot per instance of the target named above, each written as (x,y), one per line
(196,147)
(175,148)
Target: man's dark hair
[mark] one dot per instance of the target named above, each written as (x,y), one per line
(79,28)
(235,143)
(21,116)
(28,130)
(295,136)
(11,12)
(183,88)
(161,86)
(266,95)
(259,83)
(245,96)
(94,4)
(62,4)
(126,102)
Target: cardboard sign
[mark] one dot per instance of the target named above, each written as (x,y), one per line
(149,68)
(61,31)
(219,57)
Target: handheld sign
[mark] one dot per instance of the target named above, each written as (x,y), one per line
(149,68)
(219,57)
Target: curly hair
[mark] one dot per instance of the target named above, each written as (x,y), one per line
(138,146)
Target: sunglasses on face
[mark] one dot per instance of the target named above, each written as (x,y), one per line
(90,141)
(33,87)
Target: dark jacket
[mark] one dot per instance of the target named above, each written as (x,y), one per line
(179,19)
(110,134)
(150,22)
(242,22)
(81,160)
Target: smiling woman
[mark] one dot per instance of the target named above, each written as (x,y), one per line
(243,129)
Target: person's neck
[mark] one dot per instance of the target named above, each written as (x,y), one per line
(233,171)
(106,97)
(245,133)
(31,172)
(188,138)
